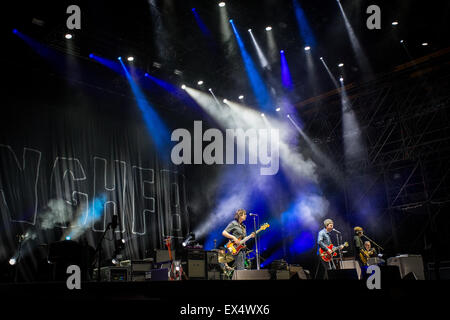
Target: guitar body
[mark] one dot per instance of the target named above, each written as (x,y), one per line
(233,248)
(325,255)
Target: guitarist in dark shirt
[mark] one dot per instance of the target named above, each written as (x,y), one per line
(234,231)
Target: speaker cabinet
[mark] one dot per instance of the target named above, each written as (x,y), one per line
(408,264)
(351,264)
(196,269)
(263,274)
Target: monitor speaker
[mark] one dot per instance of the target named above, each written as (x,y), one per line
(263,274)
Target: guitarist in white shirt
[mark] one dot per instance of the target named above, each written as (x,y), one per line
(234,231)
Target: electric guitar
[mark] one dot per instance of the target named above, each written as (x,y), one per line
(364,255)
(235,249)
(327,256)
(175,266)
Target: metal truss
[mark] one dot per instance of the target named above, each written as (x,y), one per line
(404,120)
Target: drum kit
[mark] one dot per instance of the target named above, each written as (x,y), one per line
(225,259)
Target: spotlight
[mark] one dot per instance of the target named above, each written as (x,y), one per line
(241,97)
(340,65)
(130,58)
(307,48)
(278,109)
(288,116)
(282,51)
(262,115)
(119,58)
(268,28)
(231,20)
(68,238)
(225,101)
(401,41)
(200,82)
(177,72)
(249,30)
(123,240)
(222,4)
(115,261)
(183,87)
(341,79)
(15,31)
(91,55)
(210,90)
(424,44)
(395,23)
(321,58)
(12,261)
(190,238)
(68,36)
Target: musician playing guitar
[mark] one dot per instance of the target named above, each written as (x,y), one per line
(234,231)
(324,242)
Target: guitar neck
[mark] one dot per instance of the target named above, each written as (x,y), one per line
(249,236)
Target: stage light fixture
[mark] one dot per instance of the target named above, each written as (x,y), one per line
(15,31)
(222,4)
(12,261)
(394,23)
(183,87)
(146,74)
(68,36)
(210,90)
(307,48)
(341,79)
(424,44)
(225,101)
(278,109)
(119,58)
(177,72)
(130,58)
(268,28)
(91,55)
(68,238)
(189,238)
(401,41)
(281,51)
(115,261)
(241,97)
(262,115)
(200,82)
(321,58)
(340,65)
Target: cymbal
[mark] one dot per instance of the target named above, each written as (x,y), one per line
(226,258)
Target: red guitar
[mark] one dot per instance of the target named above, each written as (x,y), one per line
(234,249)
(175,266)
(327,256)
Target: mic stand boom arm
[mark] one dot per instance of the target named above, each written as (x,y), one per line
(373,242)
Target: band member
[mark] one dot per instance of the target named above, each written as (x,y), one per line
(323,241)
(234,231)
(358,244)
(368,248)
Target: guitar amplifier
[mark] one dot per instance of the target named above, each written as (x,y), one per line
(196,269)
(113,274)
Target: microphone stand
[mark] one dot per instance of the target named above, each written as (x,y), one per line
(256,242)
(99,250)
(340,250)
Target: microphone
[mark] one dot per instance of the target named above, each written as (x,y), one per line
(252,214)
(336,231)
